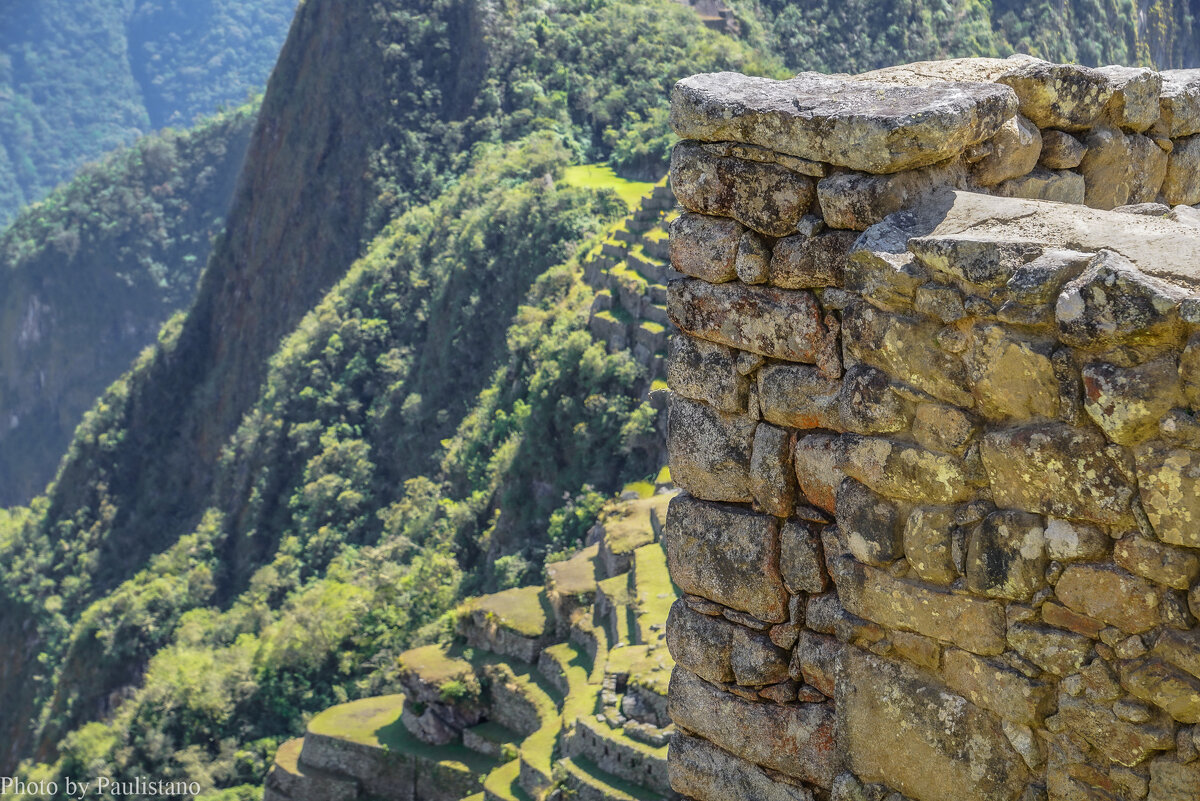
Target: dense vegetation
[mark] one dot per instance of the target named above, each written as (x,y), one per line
(78,78)
(383,397)
(88,275)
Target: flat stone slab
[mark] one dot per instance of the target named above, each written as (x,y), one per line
(863,125)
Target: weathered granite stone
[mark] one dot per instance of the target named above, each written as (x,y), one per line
(1014,152)
(780,323)
(1053,650)
(1171,780)
(928,543)
(1058,186)
(706,371)
(805,262)
(1057,470)
(870,524)
(772,475)
(1180,648)
(705,247)
(856,124)
(800,559)
(899,470)
(903,728)
(1070,540)
(1181,182)
(881,269)
(1147,209)
(940,301)
(1164,685)
(867,405)
(1149,168)
(753,262)
(795,740)
(942,428)
(856,201)
(1134,104)
(1011,377)
(1107,168)
(900,346)
(1060,150)
(798,396)
(817,660)
(1188,215)
(1189,371)
(975,260)
(1006,557)
(997,688)
(1064,96)
(1179,102)
(1119,741)
(765,197)
(709,451)
(726,554)
(720,651)
(1163,564)
(973,624)
(704,772)
(1113,302)
(817,470)
(1110,594)
(1169,483)
(1128,402)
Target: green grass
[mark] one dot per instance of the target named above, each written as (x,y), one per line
(287,758)
(627,525)
(611,787)
(436,664)
(601,176)
(654,593)
(644,489)
(574,576)
(522,609)
(653,327)
(664,475)
(502,782)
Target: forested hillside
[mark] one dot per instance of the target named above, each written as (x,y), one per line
(79,78)
(89,275)
(384,395)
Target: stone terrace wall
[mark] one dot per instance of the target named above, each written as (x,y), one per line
(940,534)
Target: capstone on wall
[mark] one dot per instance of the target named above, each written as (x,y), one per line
(933,413)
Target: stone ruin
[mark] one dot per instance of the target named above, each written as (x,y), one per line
(934,415)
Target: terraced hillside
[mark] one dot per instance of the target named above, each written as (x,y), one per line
(547,692)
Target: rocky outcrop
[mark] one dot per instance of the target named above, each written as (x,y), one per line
(937,536)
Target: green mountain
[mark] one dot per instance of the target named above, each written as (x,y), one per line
(400,381)
(89,275)
(79,78)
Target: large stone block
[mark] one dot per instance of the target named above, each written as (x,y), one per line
(1181,183)
(1060,150)
(1014,151)
(1179,102)
(939,427)
(704,772)
(1108,593)
(870,524)
(772,475)
(1114,303)
(906,348)
(1057,470)
(705,247)
(971,623)
(1134,104)
(1171,780)
(798,396)
(1120,741)
(856,201)
(1149,169)
(726,554)
(1128,402)
(800,558)
(928,543)
(1011,377)
(796,740)
(780,323)
(1174,691)
(1169,484)
(804,262)
(900,470)
(1108,168)
(1053,650)
(902,728)
(1162,564)
(880,268)
(1058,186)
(1064,96)
(766,197)
(859,124)
(867,404)
(1006,557)
(720,651)
(817,470)
(710,451)
(706,371)
(997,687)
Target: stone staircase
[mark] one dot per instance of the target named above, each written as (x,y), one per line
(546,693)
(629,270)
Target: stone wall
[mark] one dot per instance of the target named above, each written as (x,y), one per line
(940,534)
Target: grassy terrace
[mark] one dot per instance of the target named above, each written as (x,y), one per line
(627,527)
(601,176)
(654,593)
(574,576)
(501,783)
(582,770)
(436,664)
(523,610)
